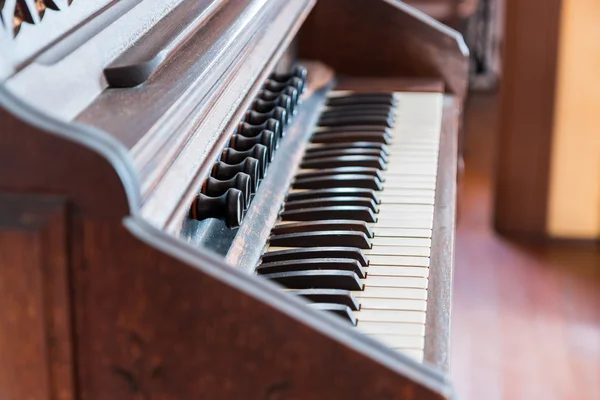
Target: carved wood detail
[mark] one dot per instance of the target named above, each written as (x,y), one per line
(15,13)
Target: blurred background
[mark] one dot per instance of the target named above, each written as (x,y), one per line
(526,316)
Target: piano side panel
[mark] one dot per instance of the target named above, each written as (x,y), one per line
(384,38)
(36,360)
(151,326)
(439,300)
(46,156)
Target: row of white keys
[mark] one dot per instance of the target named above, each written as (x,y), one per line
(393,303)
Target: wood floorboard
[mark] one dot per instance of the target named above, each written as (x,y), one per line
(526,319)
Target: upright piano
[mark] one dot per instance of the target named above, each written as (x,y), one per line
(208,199)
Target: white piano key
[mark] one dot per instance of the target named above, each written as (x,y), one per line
(403,251)
(414,261)
(401,223)
(415,317)
(397,270)
(391,293)
(393,304)
(399,151)
(410,170)
(388,240)
(425,208)
(407,220)
(402,257)
(396,282)
(385,250)
(417,355)
(391,201)
(402,342)
(409,184)
(408,193)
(399,180)
(390,328)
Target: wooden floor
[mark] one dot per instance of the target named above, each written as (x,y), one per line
(526,319)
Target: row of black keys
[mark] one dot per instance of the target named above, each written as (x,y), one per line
(341,172)
(227,193)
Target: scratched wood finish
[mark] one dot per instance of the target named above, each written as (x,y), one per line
(35,327)
(527,117)
(401,41)
(439,298)
(152,325)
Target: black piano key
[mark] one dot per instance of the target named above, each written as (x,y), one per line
(347,120)
(330,202)
(333,192)
(358,136)
(339,115)
(340,310)
(362,99)
(352,151)
(228,207)
(332,212)
(318,279)
(336,264)
(326,239)
(353,128)
(316,252)
(344,161)
(334,296)
(324,225)
(347,146)
(313,173)
(361,109)
(333,181)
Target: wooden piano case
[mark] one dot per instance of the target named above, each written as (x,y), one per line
(101,297)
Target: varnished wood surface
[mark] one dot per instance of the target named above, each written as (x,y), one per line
(185,325)
(526,319)
(36,345)
(527,117)
(439,297)
(401,42)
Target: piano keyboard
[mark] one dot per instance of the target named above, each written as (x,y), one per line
(354,235)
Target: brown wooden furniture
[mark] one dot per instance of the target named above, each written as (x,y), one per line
(548,170)
(112,116)
(524,140)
